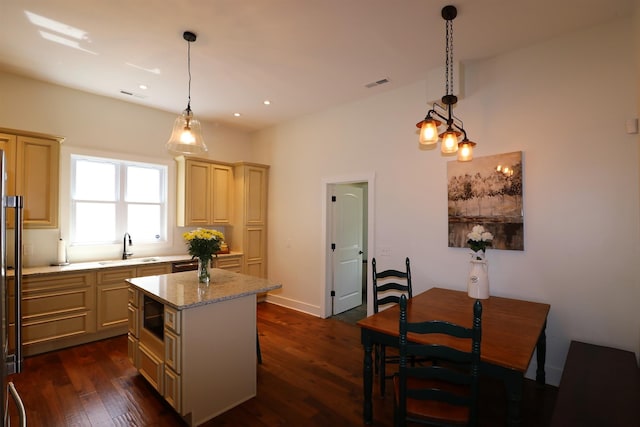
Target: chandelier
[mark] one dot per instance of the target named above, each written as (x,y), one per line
(443,114)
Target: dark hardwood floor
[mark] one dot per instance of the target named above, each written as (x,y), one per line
(311,376)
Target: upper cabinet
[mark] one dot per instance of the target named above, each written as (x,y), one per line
(32,170)
(204,195)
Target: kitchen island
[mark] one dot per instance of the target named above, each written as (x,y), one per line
(194,343)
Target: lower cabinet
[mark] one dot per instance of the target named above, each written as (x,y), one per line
(64,309)
(55,308)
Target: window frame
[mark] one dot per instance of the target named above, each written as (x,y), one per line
(82,250)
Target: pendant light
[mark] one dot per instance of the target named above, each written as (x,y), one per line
(187,137)
(450,138)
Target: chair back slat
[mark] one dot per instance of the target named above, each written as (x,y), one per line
(389,285)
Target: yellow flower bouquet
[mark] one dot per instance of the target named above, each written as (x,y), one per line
(202,244)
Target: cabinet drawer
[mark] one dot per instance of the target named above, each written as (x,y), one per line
(172,319)
(115,275)
(172,351)
(153,270)
(151,367)
(56,301)
(172,389)
(54,328)
(229,263)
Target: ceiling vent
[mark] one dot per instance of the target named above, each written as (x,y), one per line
(137,95)
(377,83)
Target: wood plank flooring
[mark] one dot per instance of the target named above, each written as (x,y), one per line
(311,376)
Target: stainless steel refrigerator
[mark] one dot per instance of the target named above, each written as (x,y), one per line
(11,363)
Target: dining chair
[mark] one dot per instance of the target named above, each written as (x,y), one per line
(388,286)
(443,394)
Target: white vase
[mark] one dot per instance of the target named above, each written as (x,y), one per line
(478,282)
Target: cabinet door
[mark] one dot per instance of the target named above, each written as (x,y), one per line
(255,251)
(37,180)
(112,305)
(221,182)
(8,145)
(255,195)
(197,193)
(112,297)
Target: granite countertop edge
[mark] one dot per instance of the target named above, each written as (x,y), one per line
(182,290)
(112,263)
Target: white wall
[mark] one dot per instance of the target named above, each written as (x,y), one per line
(105,126)
(563,103)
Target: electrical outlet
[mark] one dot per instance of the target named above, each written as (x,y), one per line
(385,251)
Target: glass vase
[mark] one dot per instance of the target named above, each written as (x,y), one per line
(203,270)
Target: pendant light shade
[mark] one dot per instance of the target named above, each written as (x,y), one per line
(429,131)
(186,136)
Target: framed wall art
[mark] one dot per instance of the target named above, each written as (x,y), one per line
(487,191)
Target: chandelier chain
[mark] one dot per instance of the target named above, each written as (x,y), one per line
(449,57)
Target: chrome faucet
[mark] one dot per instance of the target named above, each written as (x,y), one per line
(126,254)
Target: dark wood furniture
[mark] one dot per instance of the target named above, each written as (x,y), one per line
(512,330)
(600,386)
(388,286)
(443,394)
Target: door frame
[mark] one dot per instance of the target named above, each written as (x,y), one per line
(327,225)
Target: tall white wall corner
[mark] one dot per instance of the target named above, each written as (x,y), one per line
(436,83)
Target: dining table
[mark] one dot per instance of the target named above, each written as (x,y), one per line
(512,330)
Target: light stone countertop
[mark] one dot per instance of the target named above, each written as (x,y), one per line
(98,265)
(182,290)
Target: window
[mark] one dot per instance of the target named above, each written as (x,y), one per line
(110,197)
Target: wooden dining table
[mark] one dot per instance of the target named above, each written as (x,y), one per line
(511,330)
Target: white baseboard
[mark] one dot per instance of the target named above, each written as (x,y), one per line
(294,305)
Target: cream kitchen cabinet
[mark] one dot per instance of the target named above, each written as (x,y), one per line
(230,262)
(32,161)
(204,193)
(56,309)
(112,293)
(249,234)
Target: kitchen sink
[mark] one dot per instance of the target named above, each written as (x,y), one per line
(128,261)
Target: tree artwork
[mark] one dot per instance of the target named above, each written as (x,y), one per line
(487,191)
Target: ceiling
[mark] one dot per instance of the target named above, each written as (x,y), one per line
(302,55)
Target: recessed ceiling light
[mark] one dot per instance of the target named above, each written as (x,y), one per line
(267,102)
(143,87)
(236,114)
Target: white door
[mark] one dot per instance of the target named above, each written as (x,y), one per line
(347,255)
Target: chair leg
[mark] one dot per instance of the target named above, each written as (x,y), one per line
(383,366)
(259,353)
(376,358)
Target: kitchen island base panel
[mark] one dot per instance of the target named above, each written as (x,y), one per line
(218,358)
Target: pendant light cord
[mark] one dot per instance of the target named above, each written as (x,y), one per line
(189,70)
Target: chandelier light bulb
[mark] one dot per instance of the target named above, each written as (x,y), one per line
(429,132)
(449,142)
(465,152)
